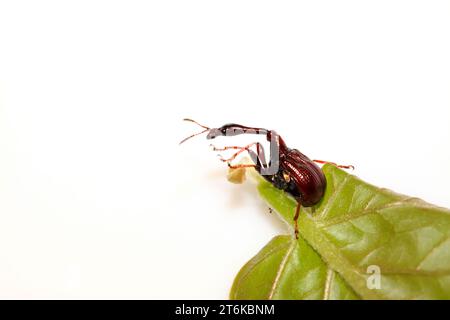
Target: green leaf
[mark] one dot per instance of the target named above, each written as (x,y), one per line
(355,226)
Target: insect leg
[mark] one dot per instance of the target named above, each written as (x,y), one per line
(214,148)
(237,166)
(297,214)
(335,164)
(257,157)
(242,149)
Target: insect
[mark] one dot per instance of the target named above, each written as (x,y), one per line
(287,169)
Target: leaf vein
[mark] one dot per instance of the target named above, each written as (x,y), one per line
(328,284)
(332,199)
(280,270)
(358,214)
(438,245)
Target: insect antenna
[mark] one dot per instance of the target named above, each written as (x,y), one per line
(195,134)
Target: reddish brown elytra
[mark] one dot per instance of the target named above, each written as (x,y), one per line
(288,169)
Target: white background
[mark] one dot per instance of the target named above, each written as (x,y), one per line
(97,200)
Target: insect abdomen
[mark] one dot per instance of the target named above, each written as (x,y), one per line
(309,179)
